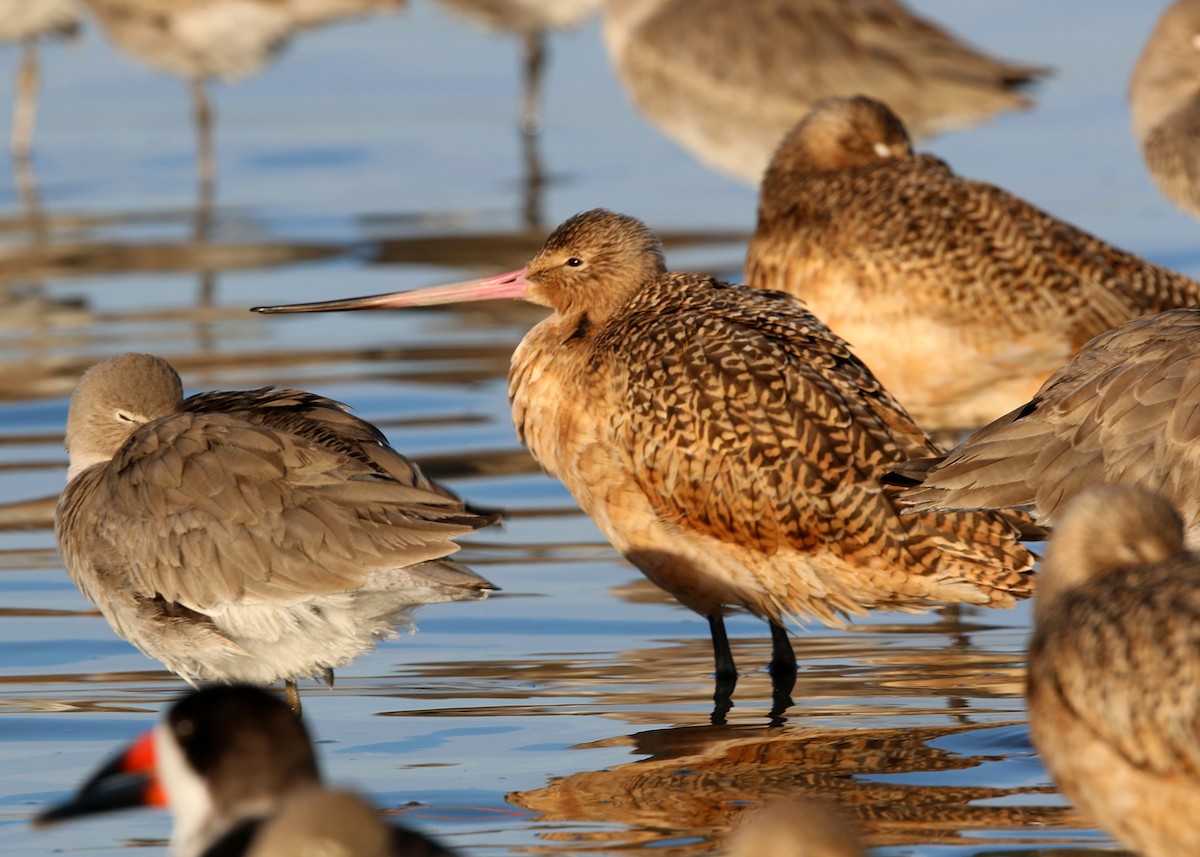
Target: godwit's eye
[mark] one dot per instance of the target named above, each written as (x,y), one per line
(574,262)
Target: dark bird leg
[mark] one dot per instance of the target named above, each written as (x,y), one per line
(726,671)
(25,109)
(783,671)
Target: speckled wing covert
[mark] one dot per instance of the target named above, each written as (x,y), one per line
(210,508)
(976,250)
(1125,410)
(806,428)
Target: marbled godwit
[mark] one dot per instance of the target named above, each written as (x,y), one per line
(795,828)
(224,39)
(252,535)
(724,441)
(961,297)
(26,21)
(727,80)
(238,772)
(1164,97)
(1113,668)
(1124,410)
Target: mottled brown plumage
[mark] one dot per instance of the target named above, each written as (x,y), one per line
(726,80)
(251,535)
(1125,410)
(1164,98)
(725,441)
(961,297)
(1114,665)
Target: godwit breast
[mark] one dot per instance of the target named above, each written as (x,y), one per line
(725,442)
(961,297)
(1164,98)
(252,535)
(238,772)
(1114,665)
(26,21)
(1124,410)
(198,40)
(726,80)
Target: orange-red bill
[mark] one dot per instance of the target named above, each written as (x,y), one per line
(127,780)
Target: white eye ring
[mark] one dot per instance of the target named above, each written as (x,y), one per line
(125,418)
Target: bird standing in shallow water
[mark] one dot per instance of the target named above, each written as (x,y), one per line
(725,442)
(1125,410)
(251,535)
(237,770)
(961,297)
(1114,665)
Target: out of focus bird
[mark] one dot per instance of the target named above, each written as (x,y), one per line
(201,40)
(726,80)
(1113,668)
(1125,410)
(250,535)
(1164,98)
(961,297)
(795,828)
(725,441)
(26,21)
(237,770)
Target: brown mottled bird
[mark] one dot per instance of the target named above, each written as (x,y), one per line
(1164,100)
(726,80)
(1125,410)
(249,535)
(1113,668)
(237,770)
(961,297)
(725,442)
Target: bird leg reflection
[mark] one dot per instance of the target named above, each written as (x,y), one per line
(782,669)
(726,671)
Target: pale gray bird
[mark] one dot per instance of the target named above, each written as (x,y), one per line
(250,535)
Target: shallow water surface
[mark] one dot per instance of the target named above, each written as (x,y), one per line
(570,712)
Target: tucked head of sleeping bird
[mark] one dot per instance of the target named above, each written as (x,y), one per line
(250,535)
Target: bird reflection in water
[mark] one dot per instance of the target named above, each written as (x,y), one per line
(700,782)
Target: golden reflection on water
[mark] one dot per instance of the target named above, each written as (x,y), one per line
(696,782)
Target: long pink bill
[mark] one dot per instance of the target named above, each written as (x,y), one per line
(500,287)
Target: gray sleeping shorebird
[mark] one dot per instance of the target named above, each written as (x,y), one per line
(726,442)
(248,536)
(1114,664)
(1125,410)
(238,772)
